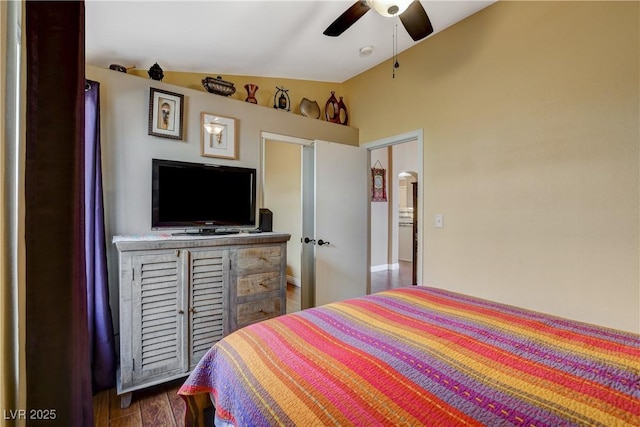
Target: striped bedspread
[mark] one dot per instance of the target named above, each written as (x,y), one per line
(422,356)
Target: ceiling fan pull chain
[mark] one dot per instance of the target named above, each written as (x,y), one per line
(395,50)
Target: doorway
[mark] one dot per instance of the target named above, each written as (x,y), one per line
(396,232)
(282,193)
(341,262)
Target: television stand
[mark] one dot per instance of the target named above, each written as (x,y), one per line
(206,232)
(213,287)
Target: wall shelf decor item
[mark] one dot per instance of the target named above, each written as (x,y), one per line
(309,108)
(281,100)
(155,72)
(251,93)
(218,86)
(166,111)
(218,136)
(118,67)
(378,183)
(335,111)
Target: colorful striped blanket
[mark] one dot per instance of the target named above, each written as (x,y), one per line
(421,356)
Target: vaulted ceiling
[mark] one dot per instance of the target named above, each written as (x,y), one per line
(257,38)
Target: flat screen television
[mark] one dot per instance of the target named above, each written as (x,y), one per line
(202,197)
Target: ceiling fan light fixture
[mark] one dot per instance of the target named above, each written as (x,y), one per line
(389,8)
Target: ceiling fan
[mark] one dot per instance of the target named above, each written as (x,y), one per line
(411,13)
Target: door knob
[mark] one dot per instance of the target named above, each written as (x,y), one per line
(308,240)
(322,242)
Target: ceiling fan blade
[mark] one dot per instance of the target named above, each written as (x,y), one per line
(416,21)
(347,19)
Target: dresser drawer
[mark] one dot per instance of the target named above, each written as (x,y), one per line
(258,283)
(258,260)
(255,311)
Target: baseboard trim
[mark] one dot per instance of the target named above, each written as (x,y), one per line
(384,267)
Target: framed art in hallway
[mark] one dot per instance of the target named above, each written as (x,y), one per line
(378,184)
(166,111)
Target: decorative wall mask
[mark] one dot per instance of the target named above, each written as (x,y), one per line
(155,72)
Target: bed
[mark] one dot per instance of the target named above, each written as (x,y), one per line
(419,356)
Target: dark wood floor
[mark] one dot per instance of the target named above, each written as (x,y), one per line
(389,279)
(155,406)
(161,406)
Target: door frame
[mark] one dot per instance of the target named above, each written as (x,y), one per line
(418,136)
(415,135)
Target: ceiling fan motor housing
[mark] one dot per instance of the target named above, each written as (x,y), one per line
(389,8)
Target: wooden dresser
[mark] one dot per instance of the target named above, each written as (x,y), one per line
(180,295)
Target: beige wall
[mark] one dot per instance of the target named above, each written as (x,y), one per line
(283,196)
(530,112)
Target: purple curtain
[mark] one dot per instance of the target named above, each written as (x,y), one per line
(101,340)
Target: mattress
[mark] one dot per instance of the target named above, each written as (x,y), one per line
(420,356)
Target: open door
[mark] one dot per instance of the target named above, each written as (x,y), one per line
(334,250)
(341,226)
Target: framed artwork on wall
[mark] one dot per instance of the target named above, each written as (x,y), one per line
(218,136)
(166,111)
(378,184)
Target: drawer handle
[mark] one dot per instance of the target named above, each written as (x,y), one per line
(263,285)
(192,310)
(180,312)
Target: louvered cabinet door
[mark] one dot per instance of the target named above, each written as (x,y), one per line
(208,290)
(158,316)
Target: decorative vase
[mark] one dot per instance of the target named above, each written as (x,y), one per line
(309,108)
(343,117)
(155,72)
(331,109)
(251,93)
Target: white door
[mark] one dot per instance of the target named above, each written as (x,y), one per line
(341,238)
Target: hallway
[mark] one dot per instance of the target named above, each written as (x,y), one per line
(389,279)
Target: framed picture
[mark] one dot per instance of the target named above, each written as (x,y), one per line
(165,114)
(378,185)
(218,136)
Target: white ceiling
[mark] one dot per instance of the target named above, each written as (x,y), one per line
(268,38)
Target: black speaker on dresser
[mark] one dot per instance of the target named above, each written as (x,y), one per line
(265,220)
